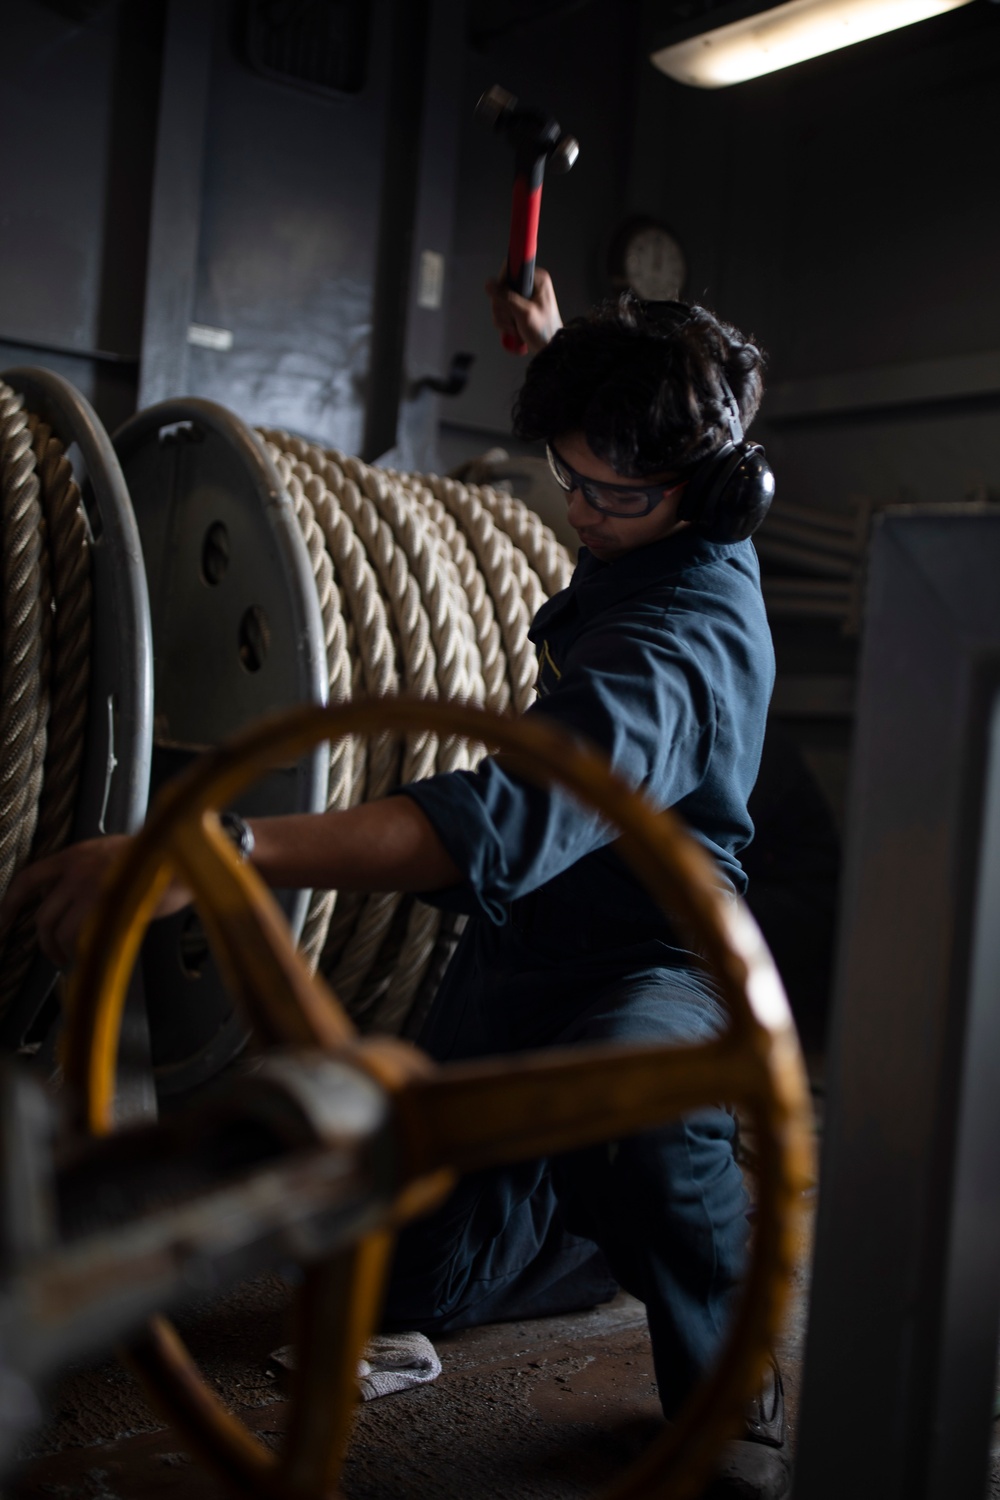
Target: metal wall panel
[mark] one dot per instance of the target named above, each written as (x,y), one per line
(160,181)
(898,1389)
(77,117)
(288,243)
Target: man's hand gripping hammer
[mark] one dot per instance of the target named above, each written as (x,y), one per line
(536,139)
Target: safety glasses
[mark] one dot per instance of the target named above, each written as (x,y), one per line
(626,500)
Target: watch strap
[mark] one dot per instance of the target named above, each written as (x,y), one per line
(239,833)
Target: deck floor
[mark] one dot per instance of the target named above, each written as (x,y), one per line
(552,1407)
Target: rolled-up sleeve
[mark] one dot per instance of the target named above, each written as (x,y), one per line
(633,691)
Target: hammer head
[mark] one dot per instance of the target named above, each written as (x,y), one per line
(494,105)
(530,132)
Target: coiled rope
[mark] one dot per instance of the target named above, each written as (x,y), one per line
(44,676)
(438,582)
(424,584)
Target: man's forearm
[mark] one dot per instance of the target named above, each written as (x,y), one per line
(388,845)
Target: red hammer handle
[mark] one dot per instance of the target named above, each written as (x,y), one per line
(523,243)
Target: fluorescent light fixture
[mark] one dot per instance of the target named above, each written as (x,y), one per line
(788,34)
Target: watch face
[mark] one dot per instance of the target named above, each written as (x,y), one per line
(653,263)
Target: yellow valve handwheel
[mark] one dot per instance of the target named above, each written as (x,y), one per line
(459,1117)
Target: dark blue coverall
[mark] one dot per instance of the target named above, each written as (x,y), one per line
(663,659)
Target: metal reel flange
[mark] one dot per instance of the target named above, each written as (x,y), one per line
(237,633)
(459,1117)
(114,777)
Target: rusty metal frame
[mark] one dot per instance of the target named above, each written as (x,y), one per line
(456,1118)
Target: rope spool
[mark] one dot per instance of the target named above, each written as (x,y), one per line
(26,631)
(423,585)
(46,658)
(76,675)
(441,580)
(247,618)
(343,776)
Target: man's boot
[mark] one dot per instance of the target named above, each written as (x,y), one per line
(758,1466)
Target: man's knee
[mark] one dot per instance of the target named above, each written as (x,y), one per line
(676,1192)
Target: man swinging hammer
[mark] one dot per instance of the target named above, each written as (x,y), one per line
(659,653)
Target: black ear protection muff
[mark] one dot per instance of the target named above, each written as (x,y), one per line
(730,491)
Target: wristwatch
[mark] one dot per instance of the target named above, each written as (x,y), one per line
(239,832)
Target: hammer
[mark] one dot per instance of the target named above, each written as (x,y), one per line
(536,138)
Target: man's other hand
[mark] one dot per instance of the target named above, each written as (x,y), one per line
(533,320)
(66,887)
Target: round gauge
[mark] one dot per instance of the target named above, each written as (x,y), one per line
(646,257)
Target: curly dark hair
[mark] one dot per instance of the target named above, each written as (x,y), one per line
(641,381)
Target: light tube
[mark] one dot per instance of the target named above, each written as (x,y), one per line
(788,34)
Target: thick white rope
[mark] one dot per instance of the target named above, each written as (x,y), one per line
(541,547)
(484,621)
(348,962)
(359,588)
(438,583)
(341,783)
(68,534)
(376,653)
(514,588)
(474,546)
(68,537)
(459,666)
(404,957)
(382,524)
(24,698)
